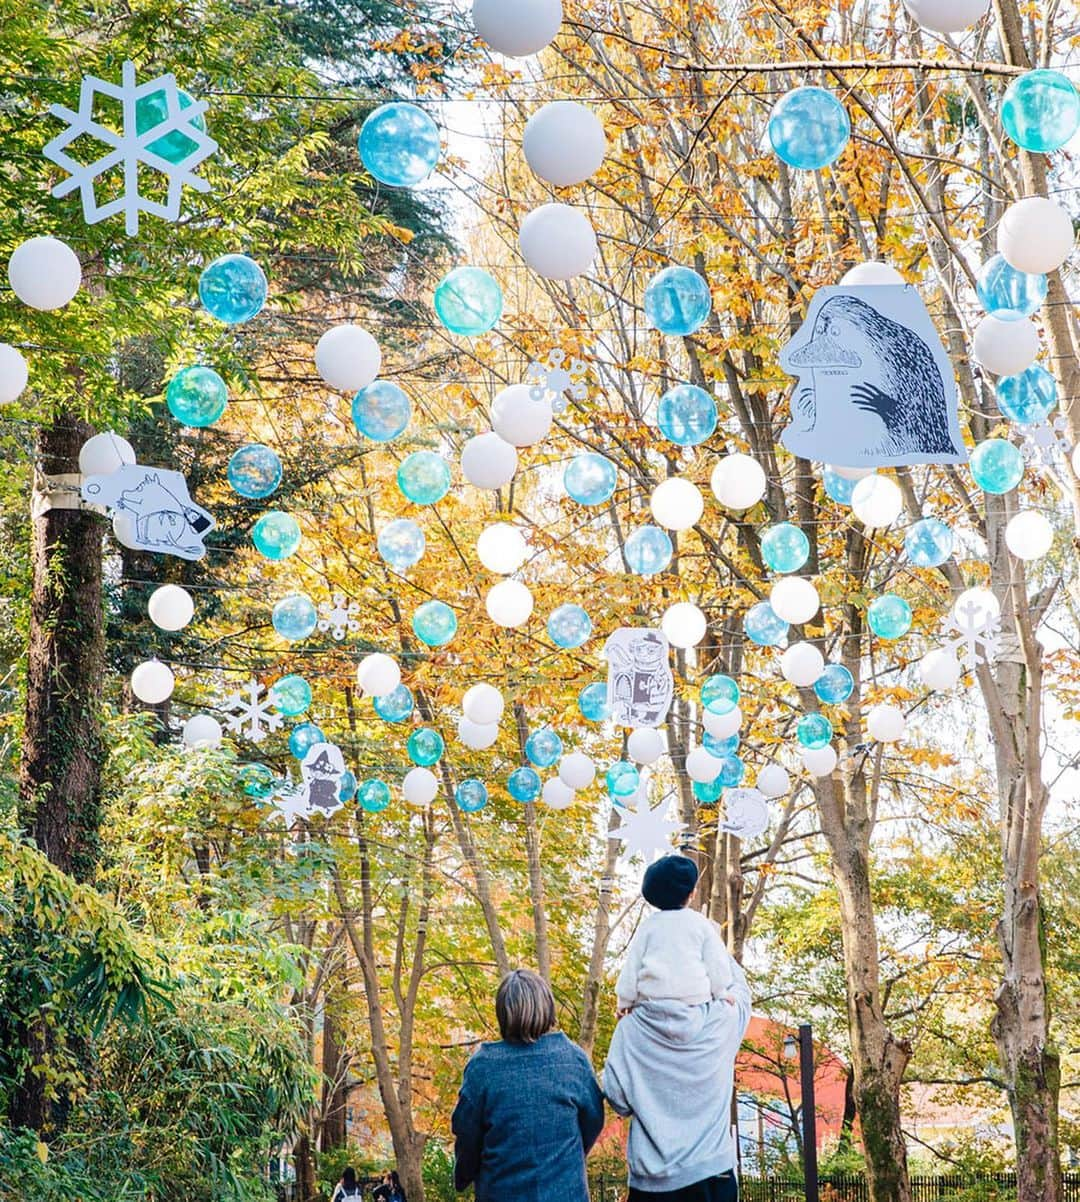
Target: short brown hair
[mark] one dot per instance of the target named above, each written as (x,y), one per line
(524,1006)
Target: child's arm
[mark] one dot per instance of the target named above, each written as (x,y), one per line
(626,986)
(717,961)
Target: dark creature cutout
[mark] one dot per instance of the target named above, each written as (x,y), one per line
(875,384)
(156,507)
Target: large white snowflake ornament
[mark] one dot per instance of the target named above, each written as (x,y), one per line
(250,711)
(159,147)
(647,831)
(975,632)
(339,616)
(557,379)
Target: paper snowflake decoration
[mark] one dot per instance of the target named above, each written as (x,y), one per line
(976,635)
(250,711)
(339,616)
(132,150)
(557,379)
(290,802)
(647,831)
(1046,441)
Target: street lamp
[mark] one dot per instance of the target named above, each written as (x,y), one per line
(801,1047)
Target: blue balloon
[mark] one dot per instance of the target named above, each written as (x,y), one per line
(731,773)
(707,792)
(291,695)
(889,616)
(232,289)
(686,415)
(523,784)
(394,706)
(399,144)
(996,465)
(1027,398)
(196,396)
(590,479)
(256,780)
(720,694)
(425,747)
(569,626)
(784,547)
(838,488)
(295,617)
(763,627)
(809,128)
(677,301)
(928,542)
(814,731)
(468,301)
(543,747)
(1006,293)
(254,471)
(471,795)
(720,747)
(303,737)
(276,535)
(347,789)
(152,110)
(373,795)
(622,779)
(834,685)
(593,702)
(424,477)
(648,550)
(401,544)
(381,411)
(1041,110)
(434,623)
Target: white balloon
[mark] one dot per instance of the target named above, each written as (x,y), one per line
(564,143)
(773,781)
(123,526)
(703,766)
(483,703)
(557,241)
(645,745)
(502,548)
(518,419)
(488,462)
(420,786)
(509,603)
(738,481)
(152,682)
(1035,235)
(170,607)
(802,664)
(939,669)
(794,599)
(947,16)
(722,726)
(201,730)
(44,273)
(476,735)
(347,357)
(872,273)
(1029,535)
(103,454)
(877,501)
(886,723)
(820,762)
(677,504)
(683,624)
(576,770)
(518,27)
(14,374)
(378,674)
(1005,348)
(557,795)
(976,604)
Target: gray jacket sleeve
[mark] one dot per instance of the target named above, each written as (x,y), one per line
(614,1089)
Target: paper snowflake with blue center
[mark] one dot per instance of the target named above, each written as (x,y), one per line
(161,134)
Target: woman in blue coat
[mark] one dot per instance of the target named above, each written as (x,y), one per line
(529,1108)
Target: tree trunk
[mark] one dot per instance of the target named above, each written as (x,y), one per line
(590,1007)
(305,1169)
(335,1065)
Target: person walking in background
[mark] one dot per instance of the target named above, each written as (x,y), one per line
(529,1108)
(389,1189)
(347,1188)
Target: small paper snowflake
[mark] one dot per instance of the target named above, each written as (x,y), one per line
(1046,441)
(339,616)
(977,635)
(557,379)
(647,831)
(253,707)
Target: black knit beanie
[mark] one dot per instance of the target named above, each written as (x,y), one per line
(669,882)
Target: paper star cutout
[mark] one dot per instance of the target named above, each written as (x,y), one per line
(647,832)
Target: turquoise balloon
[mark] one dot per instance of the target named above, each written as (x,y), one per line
(471,795)
(835,685)
(590,479)
(720,747)
(381,411)
(373,796)
(434,623)
(232,289)
(996,465)
(763,627)
(677,301)
(622,779)
(425,747)
(569,626)
(784,547)
(1041,110)
(196,396)
(254,471)
(543,747)
(593,702)
(731,773)
(152,110)
(1027,398)
(399,144)
(401,544)
(347,789)
(889,616)
(809,128)
(686,415)
(814,731)
(424,477)
(838,488)
(468,301)
(276,535)
(928,542)
(1006,293)
(394,706)
(707,792)
(295,617)
(256,780)
(720,694)
(648,550)
(304,736)
(523,784)
(291,695)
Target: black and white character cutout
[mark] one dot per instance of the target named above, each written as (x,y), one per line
(875,384)
(640,684)
(152,509)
